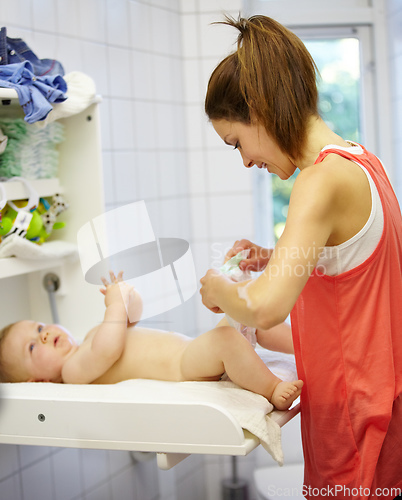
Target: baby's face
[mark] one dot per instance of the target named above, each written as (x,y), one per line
(36,352)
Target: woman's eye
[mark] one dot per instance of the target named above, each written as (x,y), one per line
(237,145)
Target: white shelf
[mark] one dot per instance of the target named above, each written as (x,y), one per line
(80,180)
(9,104)
(8,94)
(44,187)
(13,266)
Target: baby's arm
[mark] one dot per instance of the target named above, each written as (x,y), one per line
(133,303)
(278,338)
(95,356)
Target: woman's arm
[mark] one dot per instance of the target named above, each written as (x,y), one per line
(268,300)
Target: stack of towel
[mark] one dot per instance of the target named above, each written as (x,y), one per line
(31,152)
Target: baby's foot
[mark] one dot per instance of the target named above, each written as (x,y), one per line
(285,393)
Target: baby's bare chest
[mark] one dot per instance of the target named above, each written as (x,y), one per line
(149,354)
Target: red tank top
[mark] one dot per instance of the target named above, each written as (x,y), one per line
(347,333)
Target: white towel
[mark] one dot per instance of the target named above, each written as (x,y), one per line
(81,93)
(249,409)
(15,246)
(281,364)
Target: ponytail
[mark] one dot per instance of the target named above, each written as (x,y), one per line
(270,80)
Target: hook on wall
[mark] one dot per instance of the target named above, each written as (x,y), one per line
(51,283)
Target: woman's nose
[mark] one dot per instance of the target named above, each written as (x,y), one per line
(247,162)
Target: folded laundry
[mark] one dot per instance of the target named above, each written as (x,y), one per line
(35,93)
(31,152)
(81,92)
(14,246)
(15,50)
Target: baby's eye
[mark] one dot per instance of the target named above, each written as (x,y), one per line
(40,328)
(31,347)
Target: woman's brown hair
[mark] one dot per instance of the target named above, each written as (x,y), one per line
(270,79)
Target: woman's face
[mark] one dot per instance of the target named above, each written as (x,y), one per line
(255,146)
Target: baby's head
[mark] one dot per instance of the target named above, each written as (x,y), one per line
(34,352)
(5,376)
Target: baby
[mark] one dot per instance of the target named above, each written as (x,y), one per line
(117,350)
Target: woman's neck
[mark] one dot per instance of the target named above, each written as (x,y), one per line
(319,135)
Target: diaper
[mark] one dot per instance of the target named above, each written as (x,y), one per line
(231,269)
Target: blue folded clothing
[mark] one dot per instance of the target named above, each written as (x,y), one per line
(15,50)
(35,93)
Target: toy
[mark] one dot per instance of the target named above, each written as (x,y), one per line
(35,225)
(58,206)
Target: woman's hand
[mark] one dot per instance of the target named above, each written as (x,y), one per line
(257,258)
(211,288)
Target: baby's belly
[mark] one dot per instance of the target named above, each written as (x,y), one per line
(149,358)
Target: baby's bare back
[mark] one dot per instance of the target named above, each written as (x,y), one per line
(150,354)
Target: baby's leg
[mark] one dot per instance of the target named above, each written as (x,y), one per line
(222,349)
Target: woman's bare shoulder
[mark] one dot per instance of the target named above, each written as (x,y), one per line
(337,190)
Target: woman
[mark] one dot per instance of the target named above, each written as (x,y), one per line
(336,268)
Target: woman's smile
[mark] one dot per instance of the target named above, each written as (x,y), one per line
(255,147)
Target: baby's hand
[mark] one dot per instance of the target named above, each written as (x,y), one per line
(118,290)
(113,281)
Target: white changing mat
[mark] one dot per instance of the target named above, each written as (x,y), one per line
(144,415)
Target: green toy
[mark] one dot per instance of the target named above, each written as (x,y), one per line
(5,225)
(41,224)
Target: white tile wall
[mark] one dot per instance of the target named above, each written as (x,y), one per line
(67,473)
(32,484)
(117,26)
(11,487)
(123,486)
(45,12)
(225,172)
(68,19)
(92,15)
